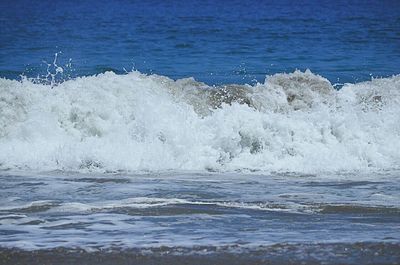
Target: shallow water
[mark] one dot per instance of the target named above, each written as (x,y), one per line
(358,253)
(278,215)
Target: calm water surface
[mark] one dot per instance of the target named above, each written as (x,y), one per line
(213,41)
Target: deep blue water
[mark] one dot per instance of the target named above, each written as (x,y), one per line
(213,41)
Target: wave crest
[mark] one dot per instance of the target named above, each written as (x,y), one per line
(108,122)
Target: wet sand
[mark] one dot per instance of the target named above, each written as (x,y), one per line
(358,253)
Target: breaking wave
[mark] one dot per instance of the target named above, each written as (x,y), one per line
(133,122)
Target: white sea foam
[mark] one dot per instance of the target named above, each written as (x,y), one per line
(291,122)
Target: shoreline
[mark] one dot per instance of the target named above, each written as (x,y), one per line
(323,253)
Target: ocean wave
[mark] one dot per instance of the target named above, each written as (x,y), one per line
(145,206)
(132,122)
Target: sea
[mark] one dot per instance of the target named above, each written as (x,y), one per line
(199,132)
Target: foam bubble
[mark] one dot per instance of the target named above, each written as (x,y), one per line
(107,122)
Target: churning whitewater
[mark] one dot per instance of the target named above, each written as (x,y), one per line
(134,122)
